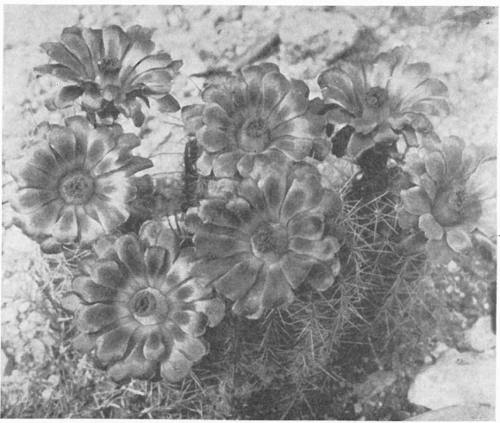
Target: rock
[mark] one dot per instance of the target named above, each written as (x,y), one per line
(480,336)
(456,378)
(466,412)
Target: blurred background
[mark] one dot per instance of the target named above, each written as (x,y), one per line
(41,375)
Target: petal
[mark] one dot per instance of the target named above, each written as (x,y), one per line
(274,188)
(66,227)
(168,104)
(214,309)
(307,226)
(216,212)
(137,51)
(188,291)
(296,267)
(113,345)
(304,193)
(78,47)
(274,88)
(487,222)
(224,165)
(67,95)
(44,219)
(62,141)
(29,200)
(155,347)
(358,144)
(458,240)
(239,280)
(60,54)
(134,366)
(277,292)
(213,139)
(81,128)
(431,228)
(212,246)
(115,41)
(93,38)
(429,186)
(193,348)
(210,269)
(30,176)
(59,71)
(100,142)
(191,322)
(307,126)
(97,316)
(92,292)
(435,166)
(215,116)
(295,148)
(438,251)
(321,276)
(204,163)
(157,263)
(416,201)
(130,254)
(452,148)
(337,86)
(156,234)
(482,182)
(109,216)
(108,274)
(249,190)
(176,368)
(324,249)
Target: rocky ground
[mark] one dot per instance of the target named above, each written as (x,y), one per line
(41,377)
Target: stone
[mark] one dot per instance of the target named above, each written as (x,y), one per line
(480,336)
(466,412)
(456,378)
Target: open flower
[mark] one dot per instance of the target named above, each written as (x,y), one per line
(112,71)
(267,240)
(384,99)
(252,115)
(141,310)
(455,194)
(78,185)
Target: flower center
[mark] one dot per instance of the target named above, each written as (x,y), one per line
(376,97)
(254,135)
(148,306)
(76,187)
(109,65)
(269,242)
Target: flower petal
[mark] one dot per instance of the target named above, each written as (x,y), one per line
(224,165)
(191,322)
(274,88)
(213,139)
(97,316)
(112,345)
(66,227)
(296,267)
(431,228)
(157,263)
(324,249)
(92,292)
(130,254)
(452,148)
(60,54)
(482,182)
(321,276)
(435,166)
(155,347)
(109,216)
(204,163)
(416,201)
(67,95)
(304,194)
(295,148)
(193,348)
(134,366)
(239,280)
(274,188)
(78,47)
(115,41)
(214,309)
(107,273)
(29,200)
(59,71)
(62,141)
(307,226)
(277,291)
(458,240)
(358,144)
(176,368)
(429,186)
